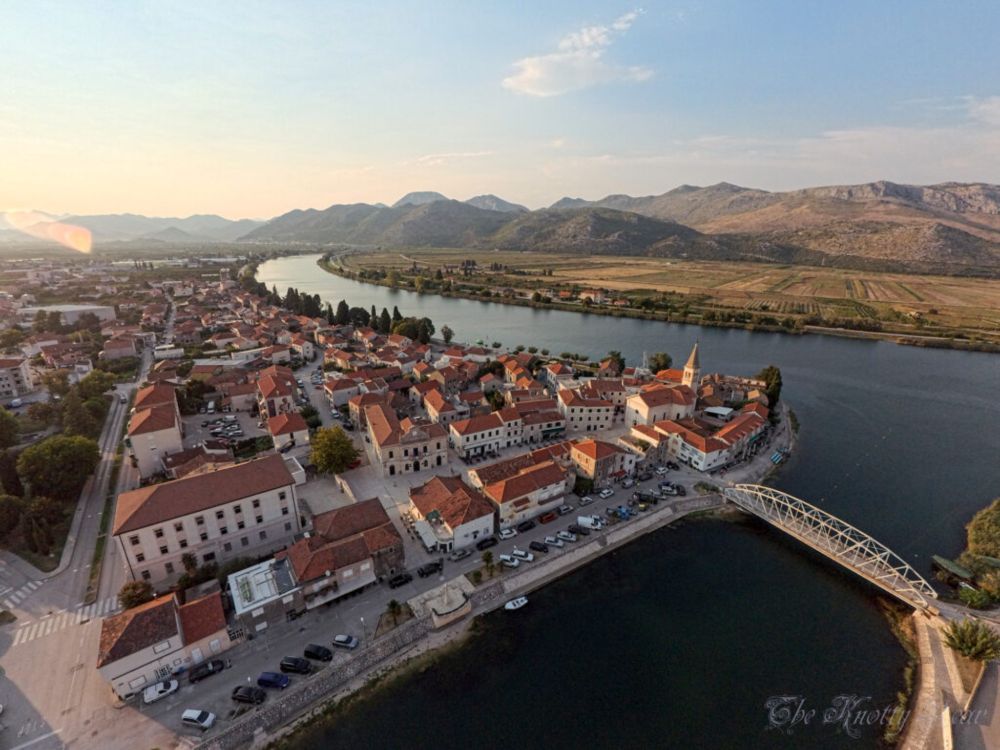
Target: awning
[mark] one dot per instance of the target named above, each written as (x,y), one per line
(427,536)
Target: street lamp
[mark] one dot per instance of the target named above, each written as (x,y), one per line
(364,633)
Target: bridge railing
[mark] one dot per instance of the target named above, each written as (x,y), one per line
(836,539)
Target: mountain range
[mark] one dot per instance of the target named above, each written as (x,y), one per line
(947,228)
(131,227)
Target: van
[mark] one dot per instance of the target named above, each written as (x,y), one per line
(590,522)
(211,408)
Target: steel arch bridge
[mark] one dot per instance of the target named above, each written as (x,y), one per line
(838,540)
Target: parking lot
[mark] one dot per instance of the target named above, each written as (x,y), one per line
(199,427)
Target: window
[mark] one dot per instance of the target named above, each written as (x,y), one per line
(145,575)
(169,567)
(256,503)
(282,495)
(140,558)
(390,454)
(208,557)
(178,526)
(183,543)
(203,536)
(163,549)
(240,524)
(259,519)
(263,535)
(227,547)
(158,533)
(237,508)
(284,511)
(200,520)
(219,515)
(134,540)
(288,527)
(244,541)
(223,530)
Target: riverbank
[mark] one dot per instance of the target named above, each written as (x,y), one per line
(958,341)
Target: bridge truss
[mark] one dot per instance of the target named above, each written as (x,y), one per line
(837,539)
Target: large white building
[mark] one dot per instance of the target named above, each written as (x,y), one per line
(242,510)
(70,314)
(15,378)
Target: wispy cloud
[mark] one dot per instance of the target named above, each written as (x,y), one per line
(435,160)
(578,62)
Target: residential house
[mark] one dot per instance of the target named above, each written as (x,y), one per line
(405,446)
(602,462)
(659,402)
(288,429)
(450,515)
(532,490)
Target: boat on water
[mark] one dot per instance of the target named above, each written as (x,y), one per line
(516,603)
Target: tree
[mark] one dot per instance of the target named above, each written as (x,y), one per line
(343,314)
(772,376)
(189,563)
(9,429)
(660,361)
(9,480)
(56,382)
(488,562)
(332,451)
(134,593)
(395,609)
(359,316)
(973,639)
(373,317)
(76,419)
(396,315)
(97,383)
(447,334)
(75,458)
(384,322)
(616,356)
(11,509)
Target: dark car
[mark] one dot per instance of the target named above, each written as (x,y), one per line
(400,579)
(525,526)
(538,546)
(430,569)
(273,680)
(206,669)
(296,665)
(644,476)
(490,541)
(248,694)
(548,517)
(348,425)
(673,466)
(319,653)
(575,528)
(679,489)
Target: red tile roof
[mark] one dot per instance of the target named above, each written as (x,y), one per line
(136,629)
(452,499)
(202,617)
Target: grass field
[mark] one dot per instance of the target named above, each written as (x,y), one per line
(941,301)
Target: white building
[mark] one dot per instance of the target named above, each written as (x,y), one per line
(449,514)
(15,378)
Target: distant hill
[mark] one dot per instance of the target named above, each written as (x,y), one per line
(493,203)
(200,228)
(946,228)
(419,199)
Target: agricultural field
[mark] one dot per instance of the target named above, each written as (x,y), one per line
(944,301)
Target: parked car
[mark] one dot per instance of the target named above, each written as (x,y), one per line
(345,641)
(460,554)
(508,533)
(193,717)
(429,569)
(673,466)
(509,562)
(566,536)
(586,500)
(248,694)
(276,680)
(575,528)
(563,509)
(160,690)
(628,483)
(661,470)
(538,546)
(525,526)
(644,476)
(206,669)
(523,556)
(317,652)
(605,493)
(555,541)
(548,517)
(400,579)
(296,664)
(490,541)
(680,490)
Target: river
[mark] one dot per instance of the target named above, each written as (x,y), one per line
(681,638)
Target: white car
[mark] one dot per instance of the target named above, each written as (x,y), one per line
(508,533)
(661,470)
(586,500)
(160,690)
(606,493)
(520,554)
(567,536)
(203,720)
(554,541)
(508,561)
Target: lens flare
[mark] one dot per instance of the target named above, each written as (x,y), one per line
(41,226)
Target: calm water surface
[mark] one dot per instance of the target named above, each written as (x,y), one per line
(680,639)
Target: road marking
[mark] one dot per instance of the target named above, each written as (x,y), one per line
(29,743)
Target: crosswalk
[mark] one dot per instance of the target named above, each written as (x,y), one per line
(60,620)
(13,600)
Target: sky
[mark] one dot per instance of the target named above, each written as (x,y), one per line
(252,109)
